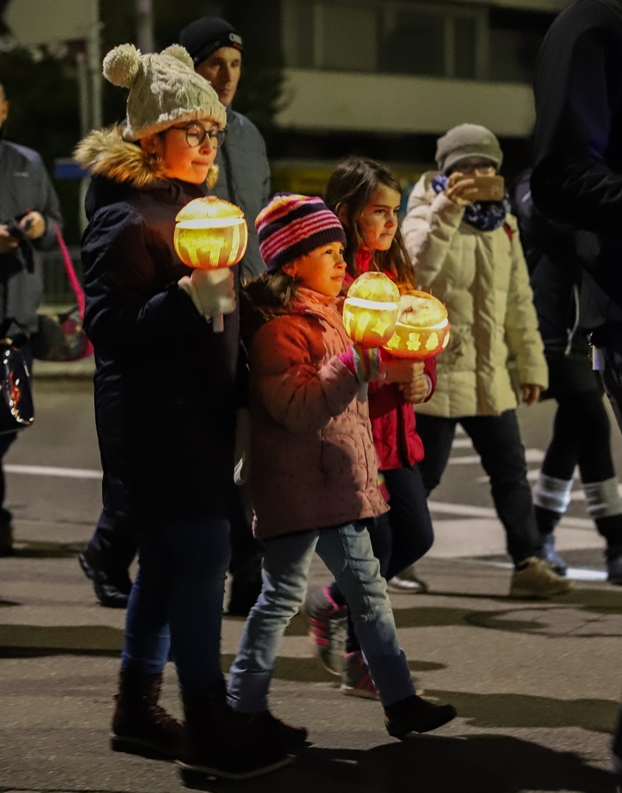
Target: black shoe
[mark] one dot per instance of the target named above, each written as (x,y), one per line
(112,587)
(275,732)
(6,533)
(139,725)
(550,555)
(415,714)
(613,560)
(222,743)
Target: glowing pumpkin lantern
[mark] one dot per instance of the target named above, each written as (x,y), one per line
(422,329)
(371,309)
(210,234)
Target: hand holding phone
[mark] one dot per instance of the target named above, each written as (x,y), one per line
(489,188)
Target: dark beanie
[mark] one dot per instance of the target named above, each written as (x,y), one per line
(208,34)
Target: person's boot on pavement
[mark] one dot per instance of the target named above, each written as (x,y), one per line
(219,742)
(535,578)
(140,725)
(6,533)
(112,585)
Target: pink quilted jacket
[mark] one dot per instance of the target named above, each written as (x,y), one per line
(313,459)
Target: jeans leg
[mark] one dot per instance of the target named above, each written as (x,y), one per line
(180,583)
(409,518)
(286,565)
(147,636)
(347,552)
(437,434)
(381,536)
(498,442)
(200,552)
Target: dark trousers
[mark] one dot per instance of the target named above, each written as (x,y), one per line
(115,540)
(399,537)
(497,441)
(176,600)
(612,378)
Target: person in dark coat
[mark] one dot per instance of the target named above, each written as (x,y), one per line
(217,48)
(165,390)
(244,180)
(581,432)
(577,176)
(29,213)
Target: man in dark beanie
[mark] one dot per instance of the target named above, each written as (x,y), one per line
(244,179)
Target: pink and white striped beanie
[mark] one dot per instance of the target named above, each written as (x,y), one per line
(292,226)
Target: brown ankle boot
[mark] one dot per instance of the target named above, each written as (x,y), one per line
(218,741)
(139,725)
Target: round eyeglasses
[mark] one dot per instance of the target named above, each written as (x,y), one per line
(196,134)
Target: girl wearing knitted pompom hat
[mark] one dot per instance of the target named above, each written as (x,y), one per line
(165,395)
(314,473)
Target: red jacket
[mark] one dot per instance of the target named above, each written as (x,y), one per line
(393,421)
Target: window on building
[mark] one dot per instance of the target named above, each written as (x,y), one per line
(345,37)
(465,48)
(416,37)
(414,43)
(515,40)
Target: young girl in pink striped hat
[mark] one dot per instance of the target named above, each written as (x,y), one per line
(314,471)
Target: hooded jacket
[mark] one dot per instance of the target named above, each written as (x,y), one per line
(313,459)
(482,278)
(165,381)
(24,186)
(577,176)
(244,180)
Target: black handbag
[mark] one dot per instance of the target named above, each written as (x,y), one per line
(16,405)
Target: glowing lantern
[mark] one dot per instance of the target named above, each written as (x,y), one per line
(210,234)
(371,309)
(422,330)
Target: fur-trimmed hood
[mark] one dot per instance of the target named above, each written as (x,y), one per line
(105,153)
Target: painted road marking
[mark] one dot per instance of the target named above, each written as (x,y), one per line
(489,512)
(576,573)
(531,456)
(44,470)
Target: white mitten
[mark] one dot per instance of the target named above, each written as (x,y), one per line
(212,291)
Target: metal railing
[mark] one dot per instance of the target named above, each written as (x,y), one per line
(57,290)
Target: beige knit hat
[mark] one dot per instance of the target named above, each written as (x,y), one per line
(467,140)
(164,89)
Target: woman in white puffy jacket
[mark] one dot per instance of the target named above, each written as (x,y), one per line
(468,254)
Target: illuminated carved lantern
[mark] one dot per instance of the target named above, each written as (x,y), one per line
(210,233)
(422,330)
(371,309)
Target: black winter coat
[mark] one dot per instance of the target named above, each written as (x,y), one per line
(165,382)
(577,175)
(554,274)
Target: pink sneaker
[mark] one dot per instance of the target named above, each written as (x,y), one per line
(327,628)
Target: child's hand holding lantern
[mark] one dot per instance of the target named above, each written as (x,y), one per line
(211,236)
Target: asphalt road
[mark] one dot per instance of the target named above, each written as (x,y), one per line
(535,684)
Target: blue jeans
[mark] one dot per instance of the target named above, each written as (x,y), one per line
(176,600)
(347,552)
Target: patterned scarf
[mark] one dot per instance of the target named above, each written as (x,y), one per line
(482,215)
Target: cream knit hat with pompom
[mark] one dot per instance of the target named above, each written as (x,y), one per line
(164,90)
